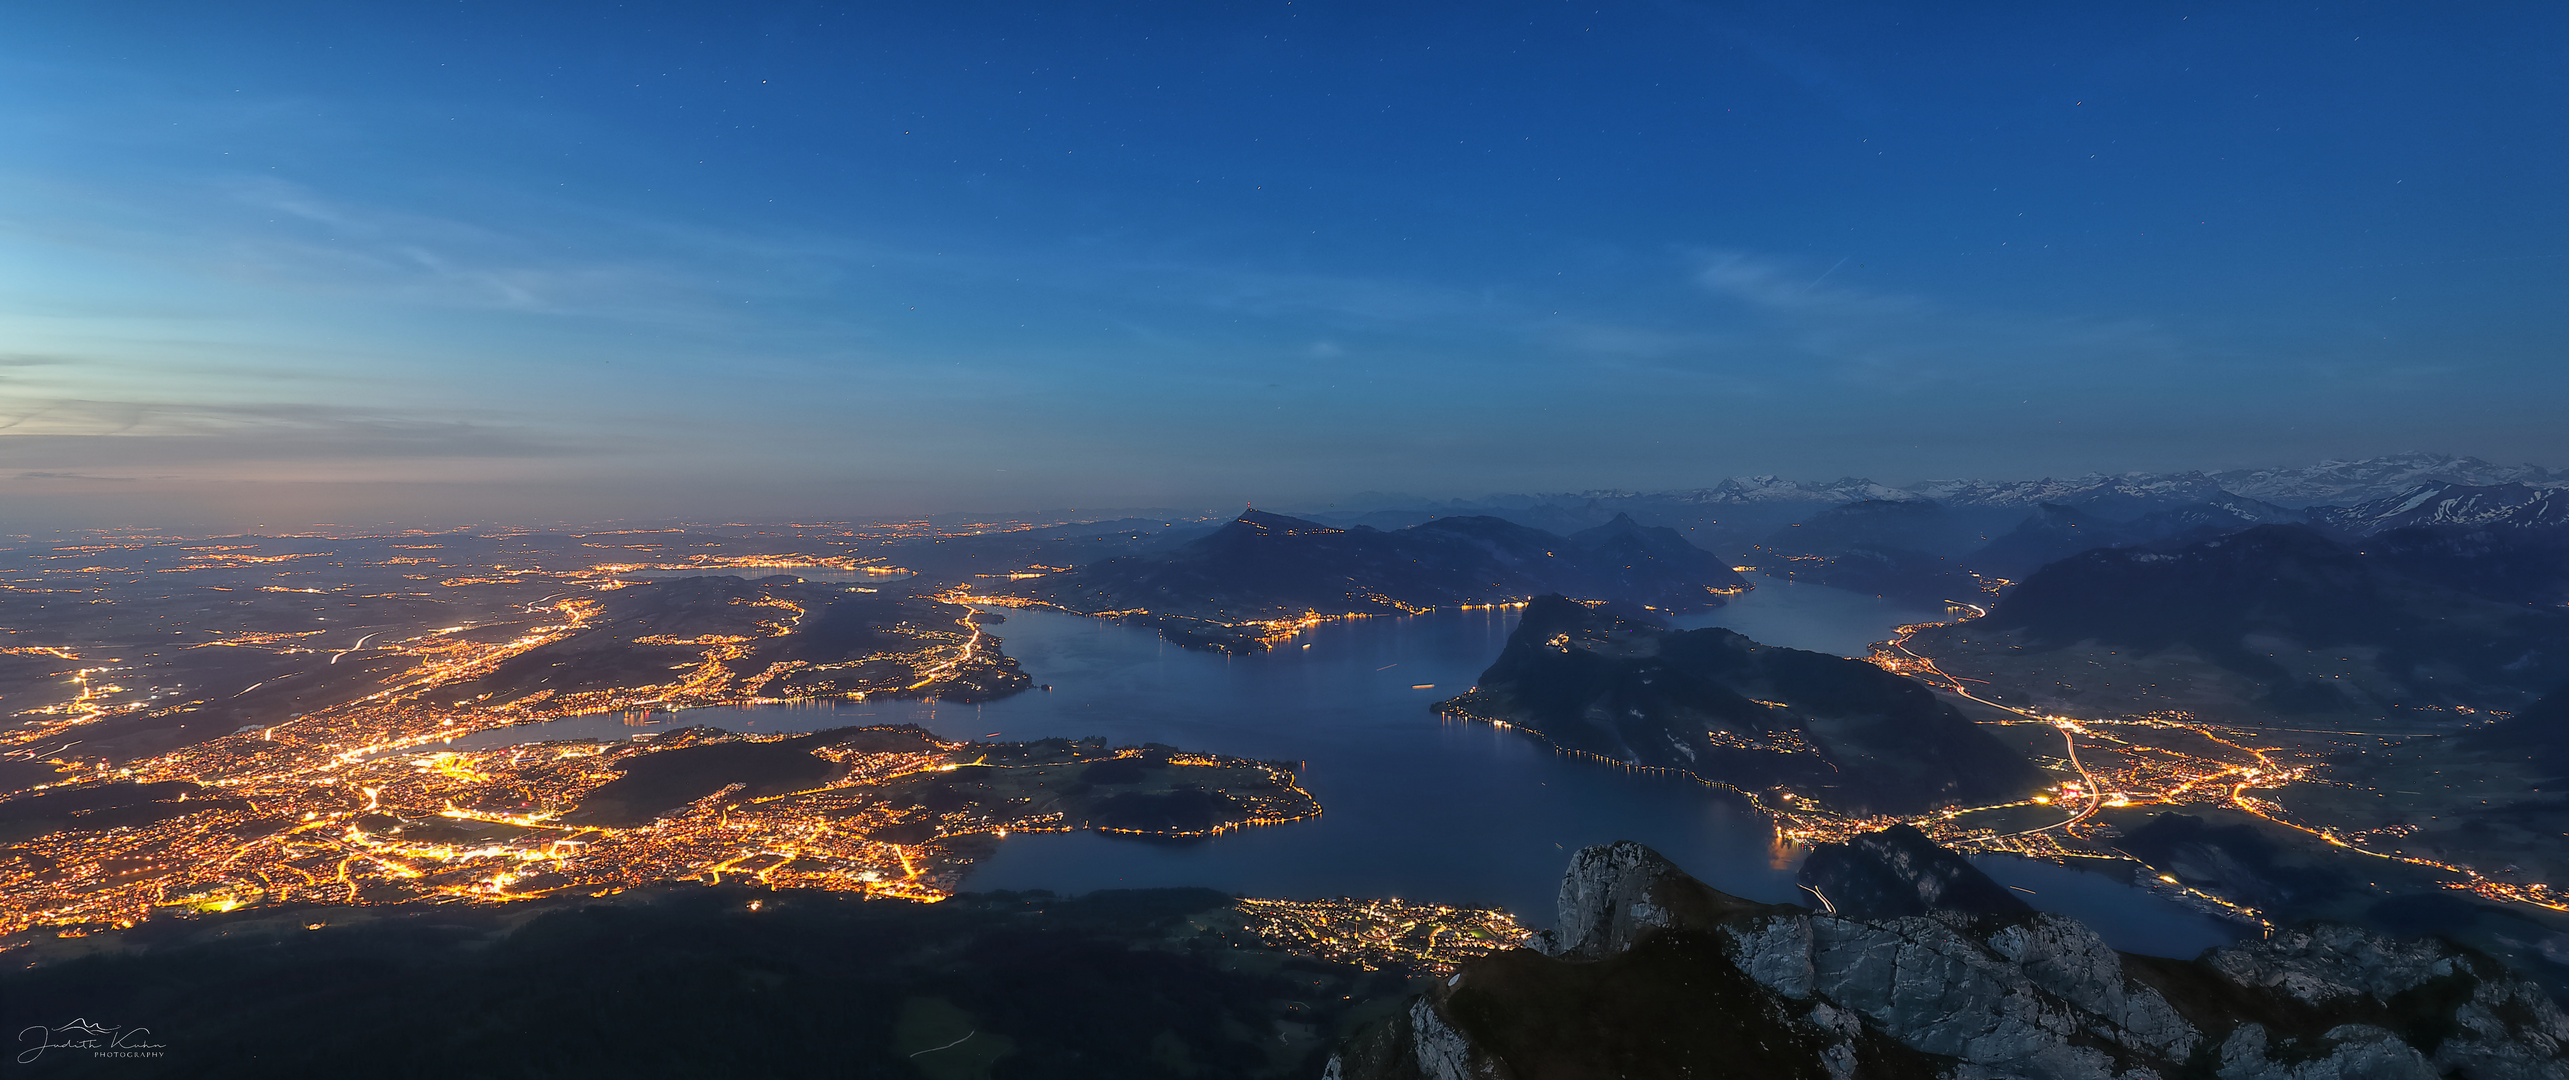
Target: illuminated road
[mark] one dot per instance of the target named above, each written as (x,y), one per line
(2229,784)
(361,643)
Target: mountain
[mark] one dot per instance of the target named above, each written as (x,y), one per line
(2539,734)
(1726,517)
(2137,494)
(2506,542)
(1753,490)
(1652,565)
(1649,972)
(2222,513)
(1738,516)
(2056,531)
(1899,548)
(2051,533)
(1267,567)
(1759,499)
(1916,524)
(2116,497)
(942,561)
(2506,507)
(2321,627)
(1841,733)
(1898,871)
(2366,479)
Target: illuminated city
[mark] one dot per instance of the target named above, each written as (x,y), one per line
(353,801)
(1382,933)
(1284,541)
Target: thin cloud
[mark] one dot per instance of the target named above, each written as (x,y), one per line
(137,432)
(74,476)
(1900,343)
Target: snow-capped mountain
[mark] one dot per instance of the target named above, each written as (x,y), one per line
(2513,507)
(2227,511)
(1776,489)
(2004,492)
(2125,496)
(2347,483)
(2253,496)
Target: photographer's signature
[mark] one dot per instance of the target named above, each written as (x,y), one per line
(101,1040)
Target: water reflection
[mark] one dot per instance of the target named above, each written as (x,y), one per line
(1415,806)
(838,574)
(1800,615)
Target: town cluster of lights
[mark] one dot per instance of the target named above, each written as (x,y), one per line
(360,801)
(1375,934)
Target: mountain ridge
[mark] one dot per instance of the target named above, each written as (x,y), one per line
(1817,728)
(1263,571)
(2328,482)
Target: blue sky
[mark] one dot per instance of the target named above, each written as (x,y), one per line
(474,261)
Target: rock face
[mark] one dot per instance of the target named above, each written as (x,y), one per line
(1651,973)
(1844,733)
(1898,871)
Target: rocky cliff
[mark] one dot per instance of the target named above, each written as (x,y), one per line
(1898,871)
(1650,973)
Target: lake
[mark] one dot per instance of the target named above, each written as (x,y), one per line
(838,574)
(1415,806)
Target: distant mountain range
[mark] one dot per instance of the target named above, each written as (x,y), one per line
(1267,568)
(2499,531)
(2323,627)
(2513,506)
(2329,482)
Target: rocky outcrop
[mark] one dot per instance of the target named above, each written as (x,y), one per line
(2409,1008)
(1651,973)
(1898,871)
(1606,902)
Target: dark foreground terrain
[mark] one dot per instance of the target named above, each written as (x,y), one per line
(1650,973)
(700,982)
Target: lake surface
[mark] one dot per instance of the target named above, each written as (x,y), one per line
(838,574)
(1415,806)
(1800,615)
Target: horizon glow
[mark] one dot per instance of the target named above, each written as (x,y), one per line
(297,263)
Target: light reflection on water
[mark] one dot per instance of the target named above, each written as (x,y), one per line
(837,574)
(1415,806)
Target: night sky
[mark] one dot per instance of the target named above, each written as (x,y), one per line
(479,261)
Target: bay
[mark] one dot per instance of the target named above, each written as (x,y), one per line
(1414,805)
